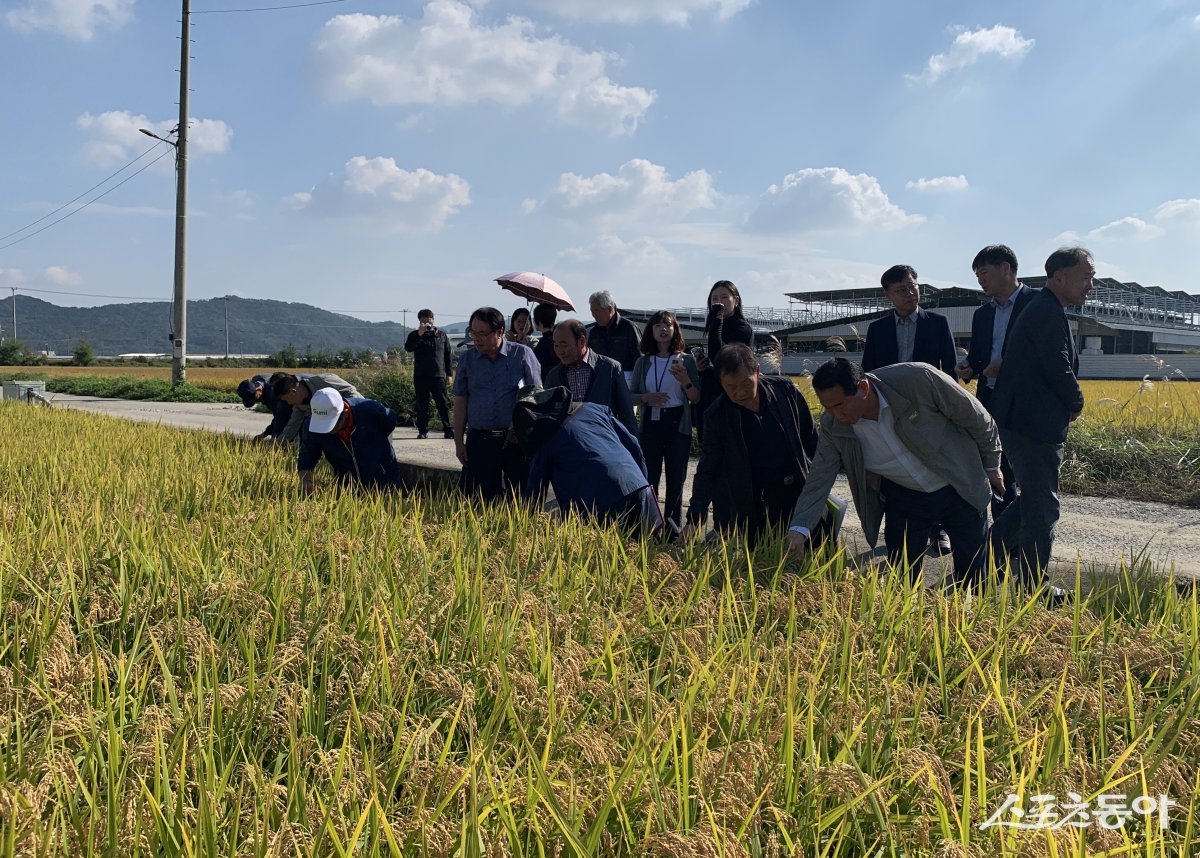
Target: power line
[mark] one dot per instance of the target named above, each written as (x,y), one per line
(265,8)
(88,203)
(84,194)
(87,294)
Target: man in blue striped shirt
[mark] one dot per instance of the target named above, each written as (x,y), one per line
(485,391)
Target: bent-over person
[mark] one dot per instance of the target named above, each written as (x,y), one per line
(758,444)
(916,448)
(355,437)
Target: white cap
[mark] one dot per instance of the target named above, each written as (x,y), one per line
(327,405)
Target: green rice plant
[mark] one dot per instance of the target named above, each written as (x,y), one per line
(197,660)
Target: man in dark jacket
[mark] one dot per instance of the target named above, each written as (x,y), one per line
(432,362)
(354,435)
(758,443)
(591,377)
(1037,396)
(995,268)
(908,333)
(258,389)
(613,335)
(593,462)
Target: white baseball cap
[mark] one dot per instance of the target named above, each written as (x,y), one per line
(327,405)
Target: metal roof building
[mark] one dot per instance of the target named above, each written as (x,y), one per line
(1118,318)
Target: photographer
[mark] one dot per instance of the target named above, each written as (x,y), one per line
(431,373)
(726,324)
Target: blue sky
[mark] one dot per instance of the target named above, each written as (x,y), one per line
(370,156)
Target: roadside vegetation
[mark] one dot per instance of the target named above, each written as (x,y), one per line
(194,660)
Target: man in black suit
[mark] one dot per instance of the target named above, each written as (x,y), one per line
(908,333)
(995,268)
(1037,396)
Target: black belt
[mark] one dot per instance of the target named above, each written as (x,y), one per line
(490,433)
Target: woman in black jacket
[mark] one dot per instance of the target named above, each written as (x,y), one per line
(726,324)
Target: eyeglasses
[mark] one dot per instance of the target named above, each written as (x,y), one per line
(479,335)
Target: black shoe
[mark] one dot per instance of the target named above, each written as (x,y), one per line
(941,545)
(421,436)
(448,433)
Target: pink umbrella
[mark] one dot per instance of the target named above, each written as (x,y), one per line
(536,287)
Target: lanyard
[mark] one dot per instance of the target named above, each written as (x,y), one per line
(660,377)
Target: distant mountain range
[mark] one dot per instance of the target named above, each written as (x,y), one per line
(255,327)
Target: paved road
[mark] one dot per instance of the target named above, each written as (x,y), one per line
(1096,531)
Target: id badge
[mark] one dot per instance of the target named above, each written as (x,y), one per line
(655,412)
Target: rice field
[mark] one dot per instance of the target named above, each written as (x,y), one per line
(195,660)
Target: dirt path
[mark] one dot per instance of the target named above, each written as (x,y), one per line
(1094,531)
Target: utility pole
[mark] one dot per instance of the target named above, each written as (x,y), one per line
(179,334)
(14,300)
(226,327)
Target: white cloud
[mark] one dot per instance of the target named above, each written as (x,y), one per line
(640,190)
(1169,217)
(1127,228)
(377,189)
(609,249)
(60,275)
(970,46)
(75,19)
(828,199)
(115,137)
(632,11)
(942,184)
(1180,211)
(11,276)
(448,58)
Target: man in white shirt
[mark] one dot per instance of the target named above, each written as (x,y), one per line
(917,449)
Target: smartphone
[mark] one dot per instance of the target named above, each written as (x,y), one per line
(676,360)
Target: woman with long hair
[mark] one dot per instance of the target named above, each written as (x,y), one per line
(520,328)
(665,384)
(726,324)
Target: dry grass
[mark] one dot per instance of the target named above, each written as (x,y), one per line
(196,661)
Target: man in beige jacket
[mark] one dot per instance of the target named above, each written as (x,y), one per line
(918,450)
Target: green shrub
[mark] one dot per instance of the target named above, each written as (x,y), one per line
(124,387)
(392,387)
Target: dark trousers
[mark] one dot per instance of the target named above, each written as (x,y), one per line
(908,515)
(425,386)
(1024,533)
(662,442)
(776,504)
(493,468)
(1010,480)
